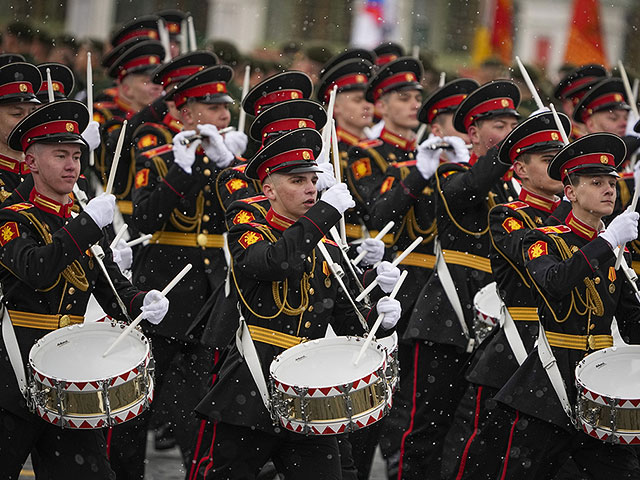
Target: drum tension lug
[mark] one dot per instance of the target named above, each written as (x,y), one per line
(107,403)
(344,390)
(613,403)
(63,421)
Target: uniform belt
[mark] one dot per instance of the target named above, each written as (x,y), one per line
(188,239)
(636,266)
(453,257)
(355,231)
(126,207)
(524,314)
(423,260)
(273,337)
(579,342)
(42,321)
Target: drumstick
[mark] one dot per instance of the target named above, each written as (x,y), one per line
(338,175)
(90,99)
(242,119)
(116,158)
(184,46)
(529,82)
(118,236)
(326,131)
(421,131)
(164,39)
(379,236)
(378,322)
(627,88)
(556,118)
(336,238)
(137,241)
(395,263)
(192,34)
(443,77)
(49,86)
(138,319)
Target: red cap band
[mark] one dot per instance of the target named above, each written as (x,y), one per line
(605,99)
(276,97)
(57,87)
(530,140)
(577,83)
(398,78)
(15,87)
(488,106)
(199,91)
(271,166)
(143,32)
(137,62)
(445,103)
(180,74)
(49,128)
(383,59)
(287,124)
(586,161)
(347,80)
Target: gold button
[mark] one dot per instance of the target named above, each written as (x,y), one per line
(207,188)
(205,159)
(310,308)
(307,324)
(64,320)
(208,203)
(205,230)
(592,326)
(311,291)
(72,290)
(207,261)
(207,172)
(206,217)
(201,239)
(597,280)
(68,307)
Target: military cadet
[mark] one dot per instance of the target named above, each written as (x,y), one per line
(388,52)
(47,277)
(577,291)
(240,436)
(475,442)
(173,20)
(442,318)
(62,81)
(604,108)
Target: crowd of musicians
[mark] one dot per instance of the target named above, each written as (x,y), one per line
(541,203)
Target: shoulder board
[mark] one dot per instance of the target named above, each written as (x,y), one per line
(240,168)
(16,207)
(257,225)
(408,163)
(374,142)
(329,242)
(515,205)
(105,104)
(257,198)
(158,150)
(446,169)
(554,229)
(626,175)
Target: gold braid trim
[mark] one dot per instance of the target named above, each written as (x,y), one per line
(161,165)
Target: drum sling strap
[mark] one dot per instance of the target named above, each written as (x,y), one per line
(512,334)
(548,360)
(247,350)
(13,350)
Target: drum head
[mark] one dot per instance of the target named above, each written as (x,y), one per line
(74,353)
(612,372)
(326,362)
(487,301)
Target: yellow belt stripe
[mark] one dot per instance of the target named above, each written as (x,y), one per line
(355,231)
(187,239)
(126,207)
(42,321)
(467,260)
(273,337)
(636,266)
(524,314)
(419,260)
(579,342)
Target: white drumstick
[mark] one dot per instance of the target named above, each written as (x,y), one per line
(627,87)
(184,39)
(90,99)
(326,131)
(556,118)
(164,39)
(116,158)
(338,174)
(529,82)
(395,263)
(138,241)
(49,85)
(378,322)
(443,76)
(138,319)
(192,34)
(379,236)
(242,119)
(118,236)
(421,131)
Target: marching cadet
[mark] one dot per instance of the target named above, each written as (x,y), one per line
(578,292)
(437,110)
(388,52)
(47,277)
(604,108)
(280,247)
(442,317)
(62,81)
(477,445)
(173,20)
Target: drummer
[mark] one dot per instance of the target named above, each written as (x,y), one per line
(578,292)
(287,295)
(47,276)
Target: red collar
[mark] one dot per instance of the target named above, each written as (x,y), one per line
(125,107)
(277,221)
(12,165)
(538,202)
(580,228)
(473,158)
(172,122)
(397,141)
(347,137)
(51,206)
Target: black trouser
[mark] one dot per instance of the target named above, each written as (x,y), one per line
(230,452)
(61,453)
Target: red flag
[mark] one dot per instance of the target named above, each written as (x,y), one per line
(585,36)
(502,32)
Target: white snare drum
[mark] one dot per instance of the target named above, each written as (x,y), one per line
(73,386)
(316,388)
(392,372)
(608,384)
(486,306)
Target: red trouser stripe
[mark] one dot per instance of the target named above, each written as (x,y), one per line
(109,442)
(413,409)
(506,456)
(476,417)
(210,456)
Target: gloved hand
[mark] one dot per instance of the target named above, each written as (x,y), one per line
(622,229)
(101,209)
(460,152)
(632,119)
(387,276)
(427,160)
(91,135)
(374,249)
(391,309)
(339,198)
(326,179)
(539,111)
(236,142)
(214,146)
(154,307)
(122,255)
(185,155)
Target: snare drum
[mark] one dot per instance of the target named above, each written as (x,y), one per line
(316,388)
(74,386)
(486,305)
(392,372)
(608,384)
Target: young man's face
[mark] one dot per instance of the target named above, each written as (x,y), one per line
(55,167)
(399,109)
(140,90)
(442,126)
(610,121)
(291,194)
(487,133)
(592,195)
(10,115)
(533,174)
(352,111)
(197,113)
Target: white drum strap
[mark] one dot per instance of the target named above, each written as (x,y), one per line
(516,185)
(227,258)
(548,360)
(452,294)
(247,349)
(513,336)
(13,351)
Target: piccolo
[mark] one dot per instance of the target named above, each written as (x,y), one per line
(193,138)
(444,146)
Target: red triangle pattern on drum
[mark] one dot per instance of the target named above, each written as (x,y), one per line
(95,385)
(325,391)
(80,385)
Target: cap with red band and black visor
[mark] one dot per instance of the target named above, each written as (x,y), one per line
(350,75)
(291,85)
(387,52)
(207,86)
(145,27)
(182,67)
(446,99)
(62,81)
(576,83)
(285,117)
(401,74)
(141,58)
(498,97)
(347,54)
(19,83)
(608,94)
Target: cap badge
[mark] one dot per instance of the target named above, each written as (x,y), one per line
(554,136)
(409,77)
(23,87)
(617,97)
(504,103)
(306,155)
(302,124)
(219,87)
(153,60)
(361,78)
(69,126)
(294,95)
(55,87)
(604,159)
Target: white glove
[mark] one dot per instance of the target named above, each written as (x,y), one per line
(91,135)
(339,198)
(391,309)
(388,276)
(185,155)
(622,229)
(374,249)
(539,111)
(236,142)
(154,307)
(326,179)
(427,160)
(632,119)
(214,146)
(101,209)
(122,255)
(460,152)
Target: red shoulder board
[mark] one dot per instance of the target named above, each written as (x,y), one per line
(386,185)
(240,168)
(361,168)
(158,150)
(408,163)
(374,142)
(148,140)
(537,249)
(257,198)
(142,178)
(329,242)
(105,104)
(554,229)
(516,205)
(19,206)
(627,175)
